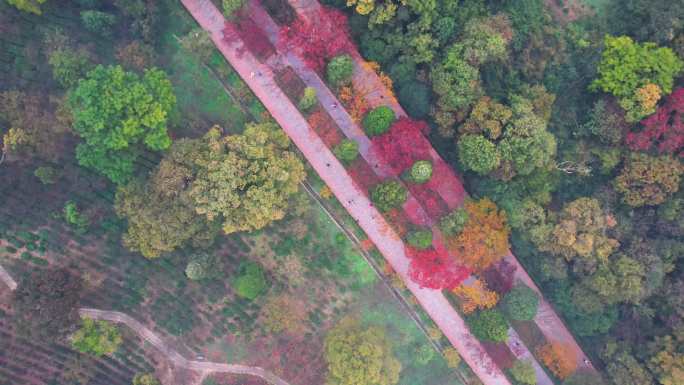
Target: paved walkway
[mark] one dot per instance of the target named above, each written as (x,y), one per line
(451,190)
(335,176)
(176,358)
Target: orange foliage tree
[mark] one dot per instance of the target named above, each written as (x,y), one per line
(484,239)
(354,101)
(475,296)
(384,78)
(558,358)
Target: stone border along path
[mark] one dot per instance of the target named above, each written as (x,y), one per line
(261,80)
(548,321)
(352,130)
(203,367)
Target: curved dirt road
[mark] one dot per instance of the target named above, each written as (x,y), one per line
(175,357)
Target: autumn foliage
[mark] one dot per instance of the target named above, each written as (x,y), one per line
(403,144)
(252,35)
(475,296)
(435,269)
(484,239)
(558,358)
(663,130)
(320,38)
(354,102)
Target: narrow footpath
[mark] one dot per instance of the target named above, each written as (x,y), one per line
(261,80)
(173,356)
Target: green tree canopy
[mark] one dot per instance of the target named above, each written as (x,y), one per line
(308,99)
(340,70)
(421,239)
(32,6)
(626,66)
(69,65)
(251,281)
(98,22)
(478,154)
(347,150)
(358,355)
(230,7)
(511,141)
(521,303)
(637,74)
(454,222)
(378,120)
(245,181)
(145,379)
(388,195)
(489,325)
(580,232)
(116,112)
(96,337)
(648,180)
(160,212)
(203,266)
(523,372)
(420,171)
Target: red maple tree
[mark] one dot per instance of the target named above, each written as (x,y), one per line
(434,269)
(251,34)
(403,144)
(325,36)
(664,129)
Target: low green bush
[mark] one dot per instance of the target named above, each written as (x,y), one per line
(378,120)
(420,239)
(308,99)
(420,172)
(388,195)
(251,281)
(521,303)
(346,151)
(489,325)
(340,70)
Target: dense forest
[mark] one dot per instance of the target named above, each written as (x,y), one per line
(565,119)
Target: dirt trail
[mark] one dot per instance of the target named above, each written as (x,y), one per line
(203,367)
(173,356)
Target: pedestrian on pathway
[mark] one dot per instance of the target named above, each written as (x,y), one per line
(251,75)
(334,105)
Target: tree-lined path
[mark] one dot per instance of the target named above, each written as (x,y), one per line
(261,80)
(448,186)
(451,189)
